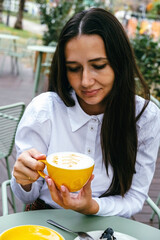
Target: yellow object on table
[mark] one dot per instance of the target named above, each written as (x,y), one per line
(30,232)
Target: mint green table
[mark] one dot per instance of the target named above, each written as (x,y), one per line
(76,221)
(40,50)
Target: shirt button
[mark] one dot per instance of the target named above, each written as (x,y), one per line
(89,150)
(94,119)
(91,128)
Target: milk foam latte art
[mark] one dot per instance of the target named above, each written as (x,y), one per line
(70,169)
(71,161)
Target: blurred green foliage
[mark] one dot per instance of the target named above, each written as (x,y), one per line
(156,8)
(56,17)
(147,53)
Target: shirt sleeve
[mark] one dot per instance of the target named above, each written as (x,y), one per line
(34,128)
(33,132)
(27,197)
(148,145)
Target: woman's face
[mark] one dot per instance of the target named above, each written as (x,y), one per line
(89,72)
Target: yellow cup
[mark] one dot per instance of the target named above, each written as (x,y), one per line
(70,169)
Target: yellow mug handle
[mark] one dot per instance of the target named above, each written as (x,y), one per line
(41,173)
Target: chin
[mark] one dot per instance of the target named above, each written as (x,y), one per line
(92,100)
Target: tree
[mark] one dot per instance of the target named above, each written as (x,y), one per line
(18,23)
(154,7)
(56,16)
(147,53)
(1,10)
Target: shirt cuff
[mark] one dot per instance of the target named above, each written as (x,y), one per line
(98,202)
(24,196)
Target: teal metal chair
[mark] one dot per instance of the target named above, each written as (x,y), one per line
(10,116)
(156,209)
(19,53)
(5,46)
(5,207)
(6,199)
(155,205)
(153,99)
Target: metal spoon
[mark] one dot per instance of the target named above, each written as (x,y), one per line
(82,235)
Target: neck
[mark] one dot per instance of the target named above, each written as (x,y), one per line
(92,109)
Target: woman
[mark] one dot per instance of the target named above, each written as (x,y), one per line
(92,108)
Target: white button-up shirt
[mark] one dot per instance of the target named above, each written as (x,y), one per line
(49,126)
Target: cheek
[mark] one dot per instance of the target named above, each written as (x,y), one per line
(73,80)
(110,78)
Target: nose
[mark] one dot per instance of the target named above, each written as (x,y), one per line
(87,79)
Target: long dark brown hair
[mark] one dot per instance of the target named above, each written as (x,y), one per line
(118,132)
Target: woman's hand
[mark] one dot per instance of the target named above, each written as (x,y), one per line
(81,202)
(26,167)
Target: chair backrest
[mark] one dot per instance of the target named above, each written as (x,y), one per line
(155,100)
(31,41)
(5,45)
(10,116)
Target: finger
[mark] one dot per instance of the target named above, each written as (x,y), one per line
(29,161)
(24,180)
(36,154)
(67,197)
(65,192)
(26,175)
(87,186)
(51,185)
(23,168)
(55,194)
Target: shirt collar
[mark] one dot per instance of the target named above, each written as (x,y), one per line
(78,117)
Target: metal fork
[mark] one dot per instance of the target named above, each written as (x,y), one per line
(81,235)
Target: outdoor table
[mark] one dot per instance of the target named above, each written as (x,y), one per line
(13,46)
(40,49)
(9,37)
(79,222)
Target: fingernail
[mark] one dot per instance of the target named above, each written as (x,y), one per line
(63,189)
(49,181)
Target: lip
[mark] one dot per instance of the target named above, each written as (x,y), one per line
(90,93)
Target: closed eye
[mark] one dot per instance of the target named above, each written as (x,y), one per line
(98,67)
(73,69)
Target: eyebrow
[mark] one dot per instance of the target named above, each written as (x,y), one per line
(97,59)
(91,60)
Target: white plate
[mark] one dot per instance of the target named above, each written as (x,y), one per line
(120,236)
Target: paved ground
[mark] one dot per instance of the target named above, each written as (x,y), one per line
(13,89)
